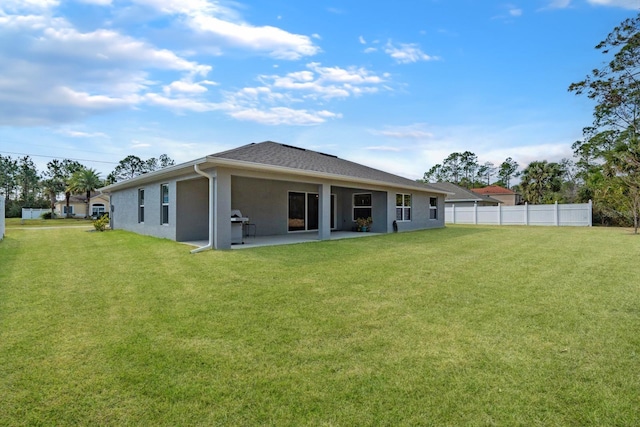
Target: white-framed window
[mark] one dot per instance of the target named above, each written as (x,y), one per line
(97,209)
(64,210)
(164,199)
(433,208)
(304,214)
(403,207)
(362,205)
(141,205)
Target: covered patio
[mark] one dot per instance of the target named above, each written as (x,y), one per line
(286,239)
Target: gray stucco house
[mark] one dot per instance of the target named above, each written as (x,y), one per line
(281,188)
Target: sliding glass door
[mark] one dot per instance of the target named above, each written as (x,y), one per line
(297,211)
(304,211)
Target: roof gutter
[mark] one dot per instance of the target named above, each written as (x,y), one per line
(211,179)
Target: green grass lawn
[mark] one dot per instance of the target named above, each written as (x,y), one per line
(458,326)
(58,222)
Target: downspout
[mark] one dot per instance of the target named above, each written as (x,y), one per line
(211,190)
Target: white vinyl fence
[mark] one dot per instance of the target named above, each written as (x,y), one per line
(2,214)
(577,214)
(31,213)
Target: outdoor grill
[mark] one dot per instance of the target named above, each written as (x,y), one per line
(237,224)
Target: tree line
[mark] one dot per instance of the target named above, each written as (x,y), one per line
(463,169)
(606,164)
(23,186)
(540,182)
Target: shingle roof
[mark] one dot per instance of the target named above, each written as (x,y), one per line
(461,194)
(272,155)
(493,189)
(287,156)
(79,198)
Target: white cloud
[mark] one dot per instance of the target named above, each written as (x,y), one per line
(97,2)
(255,96)
(625,4)
(426,145)
(559,4)
(383,148)
(66,96)
(414,132)
(511,12)
(283,116)
(80,134)
(188,87)
(326,82)
(495,144)
(407,53)
(263,105)
(351,75)
(223,24)
(285,99)
(11,6)
(52,72)
(180,104)
(110,47)
(279,43)
(137,144)
(186,7)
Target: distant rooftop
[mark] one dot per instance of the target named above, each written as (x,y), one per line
(492,190)
(461,194)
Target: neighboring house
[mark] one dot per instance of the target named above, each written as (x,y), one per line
(282,189)
(98,205)
(460,196)
(504,195)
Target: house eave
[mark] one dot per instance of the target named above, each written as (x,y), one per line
(213,161)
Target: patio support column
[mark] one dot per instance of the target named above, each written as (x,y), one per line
(391,212)
(222,205)
(324,208)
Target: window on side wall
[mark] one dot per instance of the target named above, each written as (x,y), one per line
(164,191)
(97,210)
(361,205)
(403,207)
(141,205)
(433,208)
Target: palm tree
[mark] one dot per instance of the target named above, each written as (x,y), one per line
(69,167)
(541,181)
(84,181)
(53,187)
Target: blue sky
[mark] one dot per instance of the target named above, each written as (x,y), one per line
(394,85)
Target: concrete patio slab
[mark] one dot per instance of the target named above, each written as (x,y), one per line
(286,239)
